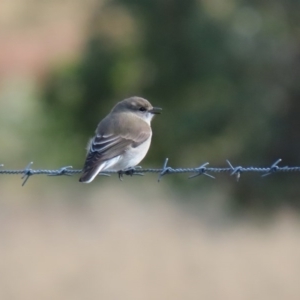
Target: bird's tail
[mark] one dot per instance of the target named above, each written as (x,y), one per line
(90,173)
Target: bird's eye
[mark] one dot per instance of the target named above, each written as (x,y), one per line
(142,108)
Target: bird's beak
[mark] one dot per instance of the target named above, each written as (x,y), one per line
(155,110)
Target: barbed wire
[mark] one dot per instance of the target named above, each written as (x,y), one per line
(165,170)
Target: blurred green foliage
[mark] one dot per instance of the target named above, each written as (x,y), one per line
(225,73)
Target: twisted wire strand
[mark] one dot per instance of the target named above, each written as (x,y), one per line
(197,171)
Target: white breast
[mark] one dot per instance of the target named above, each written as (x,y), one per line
(131,158)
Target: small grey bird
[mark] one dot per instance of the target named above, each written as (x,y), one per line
(122,138)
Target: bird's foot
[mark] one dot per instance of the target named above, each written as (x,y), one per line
(130,171)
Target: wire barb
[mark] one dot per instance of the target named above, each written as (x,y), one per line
(62,171)
(202,171)
(165,170)
(27,173)
(235,170)
(274,168)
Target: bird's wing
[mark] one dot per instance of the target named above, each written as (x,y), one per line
(107,146)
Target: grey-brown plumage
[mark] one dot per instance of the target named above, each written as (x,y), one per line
(122,138)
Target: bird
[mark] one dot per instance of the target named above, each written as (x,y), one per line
(122,139)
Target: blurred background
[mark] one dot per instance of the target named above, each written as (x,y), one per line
(226,75)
